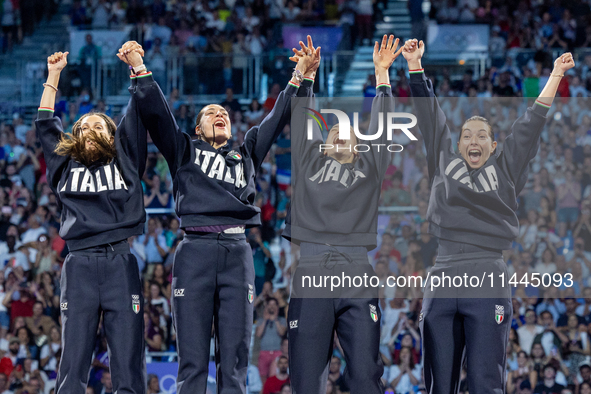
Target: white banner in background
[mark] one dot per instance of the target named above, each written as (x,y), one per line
(457,41)
(108,40)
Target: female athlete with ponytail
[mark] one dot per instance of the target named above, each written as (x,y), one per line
(214,189)
(472,212)
(96,172)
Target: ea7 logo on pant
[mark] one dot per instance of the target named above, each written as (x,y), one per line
(64,306)
(499,313)
(293,324)
(135,303)
(179,292)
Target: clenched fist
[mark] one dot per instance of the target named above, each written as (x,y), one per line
(131,53)
(57,62)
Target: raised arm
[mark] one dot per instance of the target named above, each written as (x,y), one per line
(431,119)
(522,145)
(131,132)
(259,139)
(154,111)
(48,127)
(383,57)
(303,108)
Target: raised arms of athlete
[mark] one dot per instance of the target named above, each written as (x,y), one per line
(259,139)
(383,58)
(155,112)
(49,128)
(523,143)
(431,119)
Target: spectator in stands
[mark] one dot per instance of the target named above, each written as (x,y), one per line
(405,375)
(10,359)
(548,385)
(273,368)
(291,12)
(101,14)
(576,346)
(395,195)
(551,338)
(428,245)
(48,360)
(35,230)
(88,57)
(274,384)
(571,305)
(254,114)
(528,331)
(39,324)
(153,384)
(46,256)
(261,254)
(157,300)
(335,376)
(154,243)
(230,102)
(269,331)
(28,348)
(157,196)
(106,383)
(161,31)
(12,255)
(153,333)
(78,14)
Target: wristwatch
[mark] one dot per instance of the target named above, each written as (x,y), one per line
(139,69)
(297,74)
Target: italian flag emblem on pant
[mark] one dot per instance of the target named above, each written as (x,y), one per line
(499,313)
(373,313)
(135,303)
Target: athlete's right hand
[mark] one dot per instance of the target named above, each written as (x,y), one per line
(131,53)
(413,50)
(57,62)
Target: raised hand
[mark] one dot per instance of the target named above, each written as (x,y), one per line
(57,62)
(384,55)
(564,63)
(413,51)
(307,59)
(131,53)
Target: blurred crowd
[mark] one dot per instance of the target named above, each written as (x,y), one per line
(549,349)
(220,39)
(19,19)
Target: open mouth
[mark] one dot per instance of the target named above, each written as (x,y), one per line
(338,141)
(474,155)
(220,124)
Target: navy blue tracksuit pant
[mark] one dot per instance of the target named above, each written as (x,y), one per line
(354,315)
(102,279)
(472,324)
(213,283)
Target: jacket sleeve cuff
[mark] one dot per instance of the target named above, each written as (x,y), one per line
(307,83)
(417,75)
(385,89)
(45,113)
(540,108)
(143,79)
(291,89)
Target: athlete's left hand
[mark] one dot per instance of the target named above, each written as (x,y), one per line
(131,53)
(564,63)
(385,54)
(308,58)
